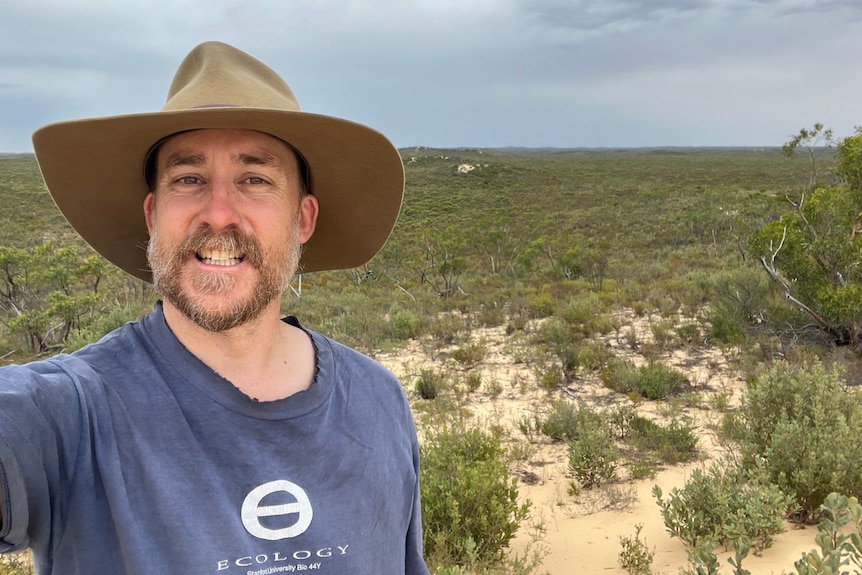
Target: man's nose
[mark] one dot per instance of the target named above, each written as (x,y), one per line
(221,206)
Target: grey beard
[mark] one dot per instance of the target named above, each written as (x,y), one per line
(276,269)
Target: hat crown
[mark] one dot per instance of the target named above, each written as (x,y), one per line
(216,75)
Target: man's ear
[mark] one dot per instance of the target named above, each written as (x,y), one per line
(149,210)
(308,209)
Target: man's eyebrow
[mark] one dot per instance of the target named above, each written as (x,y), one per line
(256,159)
(181,158)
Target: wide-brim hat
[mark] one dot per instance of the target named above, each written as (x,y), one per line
(94,168)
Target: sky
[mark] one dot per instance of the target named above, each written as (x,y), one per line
(461,73)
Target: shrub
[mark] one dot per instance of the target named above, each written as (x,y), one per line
(674,443)
(619,375)
(429,383)
(581,313)
(726,327)
(473,381)
(635,557)
(467,496)
(447,327)
(652,381)
(725,504)
(805,424)
(593,455)
(561,422)
(591,356)
(542,305)
(469,355)
(840,546)
(657,381)
(405,324)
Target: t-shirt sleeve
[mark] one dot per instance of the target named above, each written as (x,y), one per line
(40,430)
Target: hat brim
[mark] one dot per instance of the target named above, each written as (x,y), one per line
(94,170)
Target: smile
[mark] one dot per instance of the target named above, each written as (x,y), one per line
(219,258)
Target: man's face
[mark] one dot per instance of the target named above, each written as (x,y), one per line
(226,224)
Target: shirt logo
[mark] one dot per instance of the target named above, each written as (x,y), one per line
(290,511)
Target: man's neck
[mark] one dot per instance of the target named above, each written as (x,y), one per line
(266,358)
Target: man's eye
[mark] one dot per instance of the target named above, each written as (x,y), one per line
(255,180)
(188,180)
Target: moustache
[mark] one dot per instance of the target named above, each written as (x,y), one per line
(232,240)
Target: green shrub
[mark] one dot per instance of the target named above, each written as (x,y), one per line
(542,305)
(725,504)
(620,418)
(561,422)
(467,496)
(429,383)
(593,454)
(405,324)
(592,356)
(657,381)
(805,424)
(469,355)
(641,469)
(652,381)
(726,327)
(674,443)
(581,312)
(635,557)
(473,381)
(447,327)
(619,375)
(662,334)
(840,545)
(690,334)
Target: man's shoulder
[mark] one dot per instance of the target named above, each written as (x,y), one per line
(83,364)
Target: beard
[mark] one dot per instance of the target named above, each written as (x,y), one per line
(275,269)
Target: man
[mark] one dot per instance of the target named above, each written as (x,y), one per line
(212,436)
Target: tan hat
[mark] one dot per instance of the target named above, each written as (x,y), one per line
(94,168)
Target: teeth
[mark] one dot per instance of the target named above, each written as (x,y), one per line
(219,258)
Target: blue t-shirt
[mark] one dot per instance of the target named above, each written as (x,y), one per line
(131,456)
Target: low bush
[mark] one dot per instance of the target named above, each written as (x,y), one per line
(652,381)
(673,443)
(839,537)
(658,381)
(469,502)
(469,355)
(619,375)
(593,454)
(725,504)
(429,383)
(473,381)
(635,557)
(805,424)
(561,421)
(405,325)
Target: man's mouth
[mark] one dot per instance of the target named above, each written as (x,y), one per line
(219,258)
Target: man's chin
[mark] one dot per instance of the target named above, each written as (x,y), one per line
(218,317)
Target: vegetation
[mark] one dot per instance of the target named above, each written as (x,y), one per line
(753,252)
(470,504)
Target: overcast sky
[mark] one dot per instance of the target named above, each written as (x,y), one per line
(454,73)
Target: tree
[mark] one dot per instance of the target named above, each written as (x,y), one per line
(443,260)
(810,140)
(47,292)
(814,252)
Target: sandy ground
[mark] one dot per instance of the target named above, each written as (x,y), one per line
(582,534)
